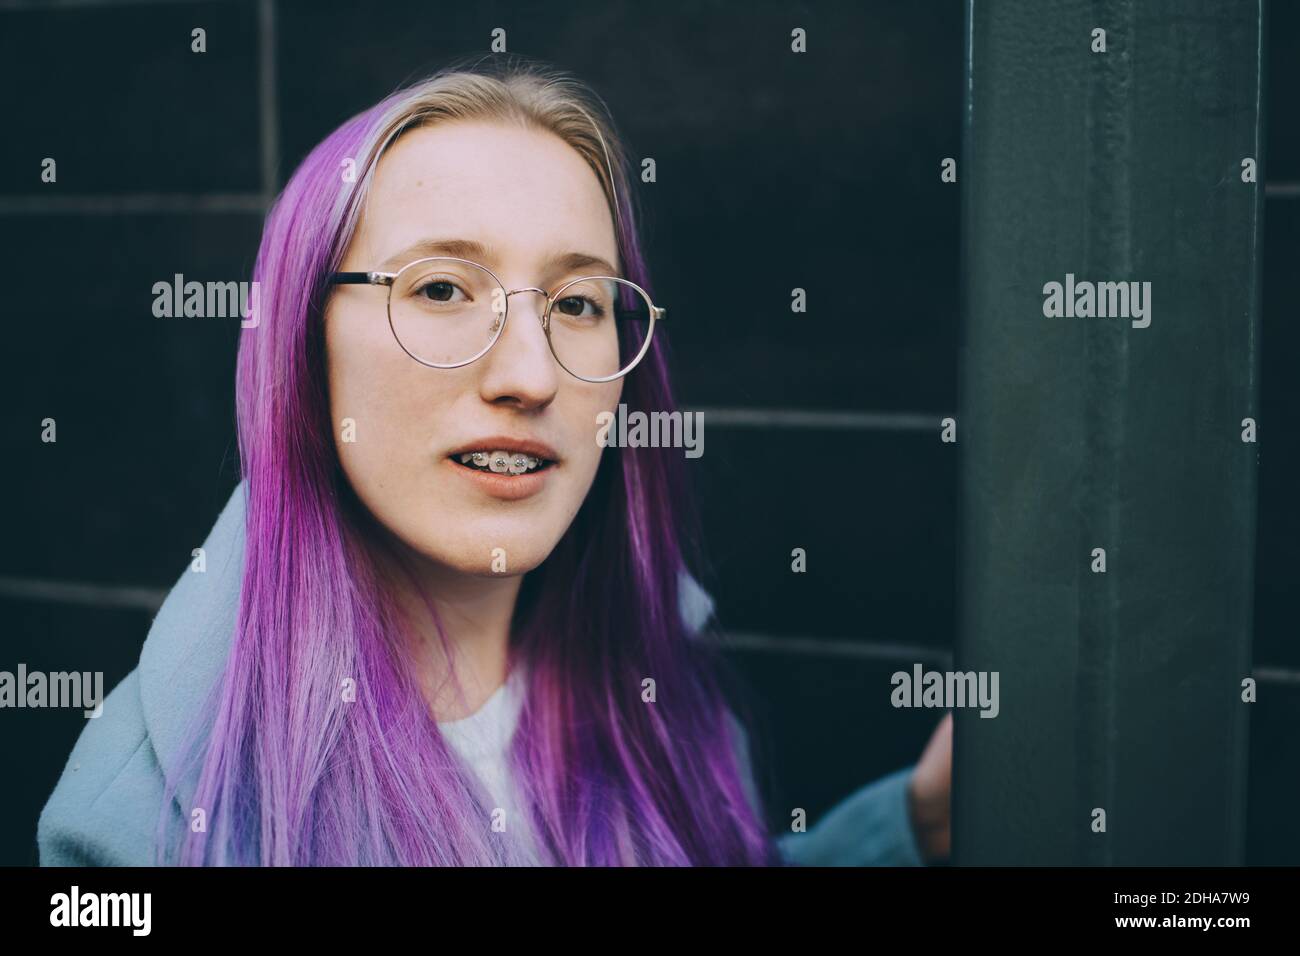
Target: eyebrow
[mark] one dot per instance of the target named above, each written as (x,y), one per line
(562,263)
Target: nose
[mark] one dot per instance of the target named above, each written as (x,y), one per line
(520,369)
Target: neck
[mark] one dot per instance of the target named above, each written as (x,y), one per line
(475,612)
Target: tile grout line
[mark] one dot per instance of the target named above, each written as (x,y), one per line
(41,6)
(824,647)
(130,204)
(92,204)
(77,592)
(151,599)
(797,418)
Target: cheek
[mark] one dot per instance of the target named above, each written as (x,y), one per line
(374,406)
(583,424)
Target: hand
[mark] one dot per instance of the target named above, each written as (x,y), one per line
(929,795)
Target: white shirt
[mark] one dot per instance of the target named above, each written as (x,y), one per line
(483,738)
(483,741)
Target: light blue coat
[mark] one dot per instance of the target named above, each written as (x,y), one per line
(104,810)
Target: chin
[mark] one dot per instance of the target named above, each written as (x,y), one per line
(470,547)
(483,564)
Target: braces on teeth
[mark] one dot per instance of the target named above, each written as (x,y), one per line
(501,462)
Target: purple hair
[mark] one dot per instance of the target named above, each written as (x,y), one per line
(287,771)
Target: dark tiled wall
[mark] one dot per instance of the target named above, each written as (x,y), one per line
(775,171)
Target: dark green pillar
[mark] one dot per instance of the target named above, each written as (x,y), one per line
(1118,690)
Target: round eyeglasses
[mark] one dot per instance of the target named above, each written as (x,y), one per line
(447,312)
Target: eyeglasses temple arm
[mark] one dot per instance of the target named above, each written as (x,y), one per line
(362,278)
(634,315)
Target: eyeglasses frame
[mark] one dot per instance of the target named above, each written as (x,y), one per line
(389,279)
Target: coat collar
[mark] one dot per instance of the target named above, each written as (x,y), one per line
(185,654)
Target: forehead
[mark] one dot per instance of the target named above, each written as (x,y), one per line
(521,190)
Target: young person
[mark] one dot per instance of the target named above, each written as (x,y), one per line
(440,624)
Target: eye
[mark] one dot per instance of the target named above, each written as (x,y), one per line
(439,290)
(577,305)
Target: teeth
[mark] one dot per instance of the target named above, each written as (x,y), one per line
(501,462)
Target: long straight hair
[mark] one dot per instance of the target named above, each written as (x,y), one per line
(288,771)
